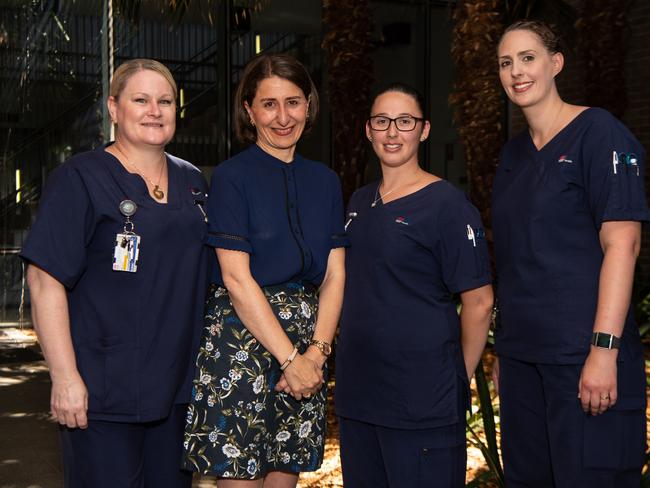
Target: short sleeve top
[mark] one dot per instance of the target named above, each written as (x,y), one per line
(548,208)
(399,362)
(134,334)
(287,216)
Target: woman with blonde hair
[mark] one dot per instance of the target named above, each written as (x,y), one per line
(117,275)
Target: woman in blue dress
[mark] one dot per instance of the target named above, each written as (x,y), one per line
(568,203)
(404,356)
(257,415)
(117,275)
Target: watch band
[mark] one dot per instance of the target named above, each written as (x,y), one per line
(322,346)
(605,340)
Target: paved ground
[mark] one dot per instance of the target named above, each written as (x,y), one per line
(29,450)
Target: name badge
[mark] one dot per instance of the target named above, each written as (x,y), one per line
(127,251)
(127,243)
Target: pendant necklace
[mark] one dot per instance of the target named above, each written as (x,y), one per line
(379,197)
(157,191)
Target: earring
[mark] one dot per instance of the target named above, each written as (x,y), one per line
(370,139)
(252,122)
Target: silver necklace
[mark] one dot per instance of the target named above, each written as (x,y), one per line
(379,197)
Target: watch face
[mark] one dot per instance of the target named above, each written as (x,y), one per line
(322,346)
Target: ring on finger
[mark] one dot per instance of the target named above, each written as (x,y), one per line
(606,397)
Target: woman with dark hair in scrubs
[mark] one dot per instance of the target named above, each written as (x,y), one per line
(117,275)
(258,411)
(567,205)
(404,357)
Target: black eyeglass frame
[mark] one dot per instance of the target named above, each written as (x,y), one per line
(391,121)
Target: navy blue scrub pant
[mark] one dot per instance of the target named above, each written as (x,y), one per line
(126,455)
(373,456)
(547,441)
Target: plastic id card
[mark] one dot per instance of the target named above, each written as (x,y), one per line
(127,250)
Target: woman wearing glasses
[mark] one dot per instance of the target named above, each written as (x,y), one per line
(404,355)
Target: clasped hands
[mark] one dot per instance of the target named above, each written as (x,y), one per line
(304,376)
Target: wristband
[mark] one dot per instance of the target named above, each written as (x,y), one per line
(605,340)
(288,361)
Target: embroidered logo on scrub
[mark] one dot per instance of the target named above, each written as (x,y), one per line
(630,162)
(564,159)
(402,220)
(473,234)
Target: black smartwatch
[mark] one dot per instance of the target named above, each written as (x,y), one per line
(605,340)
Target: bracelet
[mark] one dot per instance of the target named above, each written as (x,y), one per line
(288,361)
(605,340)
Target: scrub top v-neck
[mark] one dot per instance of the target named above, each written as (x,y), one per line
(399,362)
(548,208)
(133,333)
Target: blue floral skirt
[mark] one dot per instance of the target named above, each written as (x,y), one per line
(238,426)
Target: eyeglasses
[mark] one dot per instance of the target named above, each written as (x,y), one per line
(405,123)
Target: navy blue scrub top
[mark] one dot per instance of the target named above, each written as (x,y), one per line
(548,208)
(398,359)
(287,216)
(135,335)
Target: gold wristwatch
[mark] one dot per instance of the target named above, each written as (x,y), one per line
(322,346)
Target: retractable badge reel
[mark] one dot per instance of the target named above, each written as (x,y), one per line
(127,243)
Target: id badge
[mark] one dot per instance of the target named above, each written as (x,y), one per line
(127,250)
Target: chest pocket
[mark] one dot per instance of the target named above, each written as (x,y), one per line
(555,195)
(398,242)
(559,176)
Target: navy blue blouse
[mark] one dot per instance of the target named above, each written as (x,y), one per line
(398,359)
(548,208)
(287,216)
(135,335)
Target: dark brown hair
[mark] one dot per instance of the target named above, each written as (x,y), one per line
(550,39)
(401,88)
(265,66)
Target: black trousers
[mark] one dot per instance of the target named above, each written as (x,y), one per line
(547,440)
(126,455)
